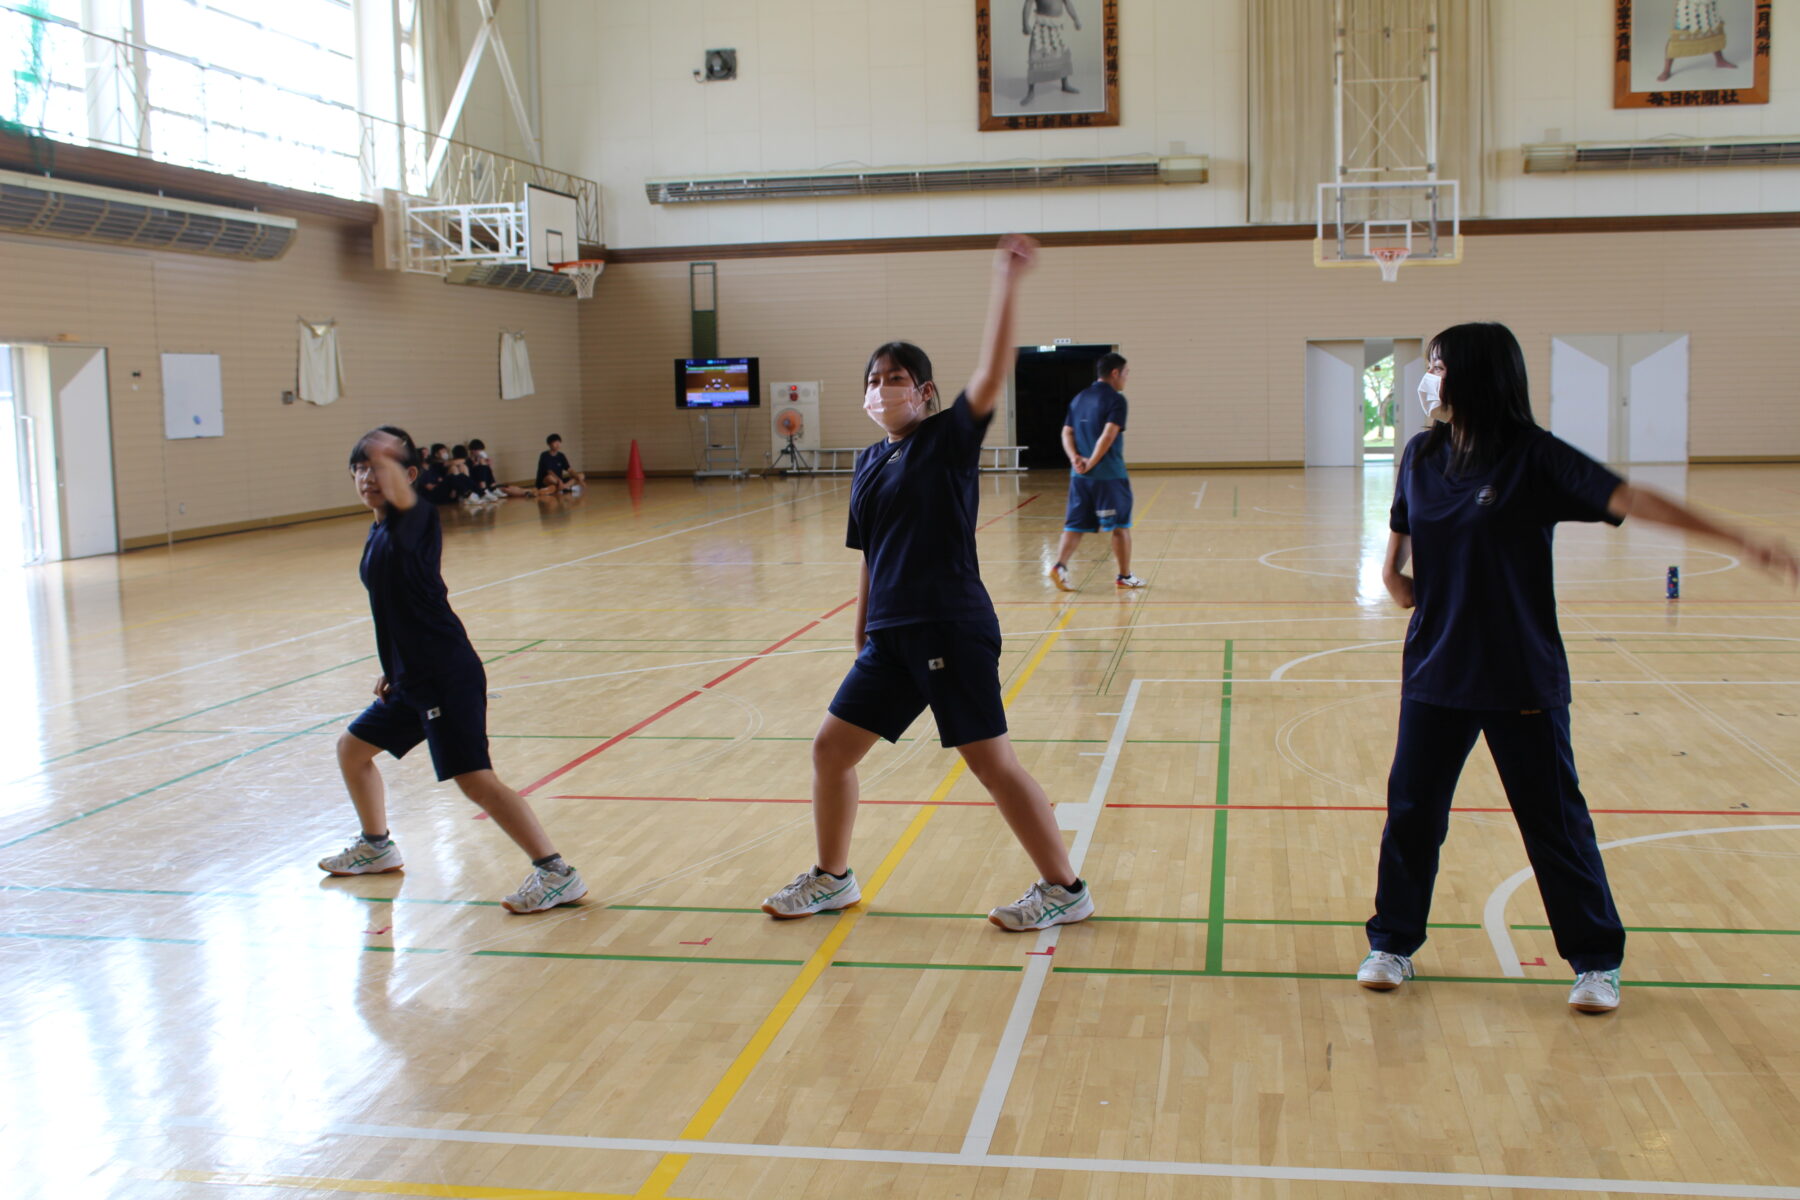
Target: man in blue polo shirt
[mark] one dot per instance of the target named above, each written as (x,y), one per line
(1093,437)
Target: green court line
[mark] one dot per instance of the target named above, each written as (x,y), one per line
(209,708)
(167,941)
(1334,975)
(172,782)
(1215,904)
(930,966)
(510,653)
(1234,499)
(686,908)
(675,958)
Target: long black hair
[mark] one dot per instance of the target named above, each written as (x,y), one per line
(1485,389)
(908,356)
(359,453)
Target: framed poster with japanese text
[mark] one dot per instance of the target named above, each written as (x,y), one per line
(1690,53)
(1047,64)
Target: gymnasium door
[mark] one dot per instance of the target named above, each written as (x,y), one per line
(1621,397)
(1045,379)
(64,448)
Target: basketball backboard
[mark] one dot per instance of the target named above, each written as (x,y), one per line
(550,228)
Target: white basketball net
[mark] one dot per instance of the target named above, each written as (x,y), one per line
(584,274)
(1389,258)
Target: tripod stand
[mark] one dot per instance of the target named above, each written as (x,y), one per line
(791,452)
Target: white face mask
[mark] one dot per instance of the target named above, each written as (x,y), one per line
(893,407)
(1429,399)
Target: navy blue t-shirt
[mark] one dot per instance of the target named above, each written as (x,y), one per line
(552,464)
(423,647)
(1090,412)
(1483,633)
(434,484)
(912,514)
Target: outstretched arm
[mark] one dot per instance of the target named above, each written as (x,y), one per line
(1012,259)
(1771,554)
(386,456)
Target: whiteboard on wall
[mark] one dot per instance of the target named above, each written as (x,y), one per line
(193,396)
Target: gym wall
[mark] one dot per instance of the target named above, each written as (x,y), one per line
(1215,332)
(417,352)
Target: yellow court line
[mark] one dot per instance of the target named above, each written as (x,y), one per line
(379,1187)
(657,1185)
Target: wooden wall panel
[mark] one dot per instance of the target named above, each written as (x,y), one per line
(417,352)
(1215,331)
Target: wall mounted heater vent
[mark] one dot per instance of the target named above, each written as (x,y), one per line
(516,277)
(1557,158)
(952,177)
(34,204)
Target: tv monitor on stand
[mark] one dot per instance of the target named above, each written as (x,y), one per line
(713,385)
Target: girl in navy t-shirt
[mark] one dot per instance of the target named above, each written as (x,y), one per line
(432,687)
(926,634)
(1476,502)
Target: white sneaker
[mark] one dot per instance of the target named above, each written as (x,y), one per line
(1059,575)
(543,889)
(814,891)
(360,858)
(1383,972)
(1129,581)
(1044,905)
(1595,992)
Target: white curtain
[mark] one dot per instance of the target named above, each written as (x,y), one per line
(515,366)
(321,372)
(1291,43)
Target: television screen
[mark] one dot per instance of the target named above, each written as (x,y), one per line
(709,383)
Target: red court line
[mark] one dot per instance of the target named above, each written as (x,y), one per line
(777,800)
(616,738)
(1381,808)
(840,608)
(1378,808)
(1009,512)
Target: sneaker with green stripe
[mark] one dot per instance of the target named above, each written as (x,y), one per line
(544,889)
(1043,905)
(814,891)
(362,858)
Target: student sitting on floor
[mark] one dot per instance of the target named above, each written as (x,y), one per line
(553,471)
(481,470)
(434,481)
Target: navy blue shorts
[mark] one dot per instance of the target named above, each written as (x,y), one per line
(455,727)
(1097,505)
(952,667)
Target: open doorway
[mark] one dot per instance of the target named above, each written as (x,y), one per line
(1045,379)
(1357,392)
(56,468)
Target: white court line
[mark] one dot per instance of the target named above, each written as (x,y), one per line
(1080,819)
(300,637)
(1493,913)
(1280,672)
(1005,1162)
(1200,495)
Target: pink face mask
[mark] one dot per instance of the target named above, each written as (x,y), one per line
(893,407)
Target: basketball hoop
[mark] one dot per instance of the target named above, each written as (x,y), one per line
(1388,258)
(583,271)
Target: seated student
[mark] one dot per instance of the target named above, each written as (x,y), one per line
(434,481)
(553,473)
(462,479)
(481,470)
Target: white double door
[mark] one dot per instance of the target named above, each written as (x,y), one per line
(1621,397)
(1334,395)
(61,431)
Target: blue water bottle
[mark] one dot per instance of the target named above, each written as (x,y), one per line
(1674,588)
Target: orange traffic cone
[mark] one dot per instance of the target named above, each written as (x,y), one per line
(634,467)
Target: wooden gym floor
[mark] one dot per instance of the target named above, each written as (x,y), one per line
(193,1011)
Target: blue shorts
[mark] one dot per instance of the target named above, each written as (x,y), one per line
(455,727)
(1097,505)
(952,667)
